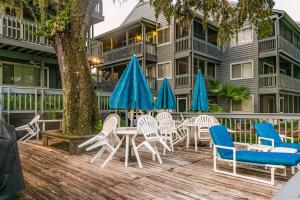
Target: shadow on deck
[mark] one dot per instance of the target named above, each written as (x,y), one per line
(53,174)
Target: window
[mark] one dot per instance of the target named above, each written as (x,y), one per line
(150,71)
(182,103)
(243,106)
(164,70)
(268,68)
(182,66)
(199,32)
(163,36)
(244,36)
(181,31)
(212,36)
(242,70)
(211,69)
(199,64)
(23,75)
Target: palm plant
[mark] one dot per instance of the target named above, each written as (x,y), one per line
(228,92)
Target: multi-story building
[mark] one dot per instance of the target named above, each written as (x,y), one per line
(269,67)
(29,72)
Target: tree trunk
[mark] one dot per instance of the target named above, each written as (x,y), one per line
(80,110)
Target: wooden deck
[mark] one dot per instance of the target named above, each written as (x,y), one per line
(50,173)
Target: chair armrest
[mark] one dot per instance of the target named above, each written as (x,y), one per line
(267,139)
(224,147)
(242,144)
(21,128)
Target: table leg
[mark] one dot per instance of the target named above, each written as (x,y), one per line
(188,137)
(195,137)
(126,150)
(136,153)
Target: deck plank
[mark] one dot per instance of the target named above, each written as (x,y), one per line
(50,173)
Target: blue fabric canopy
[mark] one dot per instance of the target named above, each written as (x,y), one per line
(132,90)
(165,98)
(200,100)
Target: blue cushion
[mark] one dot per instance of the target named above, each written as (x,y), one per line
(290,145)
(267,130)
(220,136)
(286,159)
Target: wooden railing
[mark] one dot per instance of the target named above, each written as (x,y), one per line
(206,48)
(267,81)
(288,48)
(183,81)
(281,80)
(127,51)
(15,28)
(94,48)
(242,124)
(267,44)
(182,44)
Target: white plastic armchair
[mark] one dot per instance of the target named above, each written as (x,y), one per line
(169,133)
(32,128)
(203,123)
(163,116)
(102,139)
(114,115)
(149,127)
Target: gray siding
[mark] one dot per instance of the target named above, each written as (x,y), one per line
(241,53)
(165,52)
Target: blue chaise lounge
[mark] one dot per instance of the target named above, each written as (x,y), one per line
(225,150)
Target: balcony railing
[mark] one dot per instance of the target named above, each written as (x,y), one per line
(267,44)
(127,51)
(288,48)
(281,80)
(94,48)
(206,48)
(18,29)
(183,81)
(272,43)
(183,44)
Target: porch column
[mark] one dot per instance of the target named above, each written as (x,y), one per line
(127,38)
(42,75)
(292,70)
(144,47)
(111,43)
(277,81)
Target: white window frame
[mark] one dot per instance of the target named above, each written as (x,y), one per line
(270,65)
(165,43)
(235,36)
(241,63)
(252,106)
(170,70)
(186,102)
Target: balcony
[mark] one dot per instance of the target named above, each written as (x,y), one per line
(184,81)
(282,81)
(109,85)
(98,12)
(19,29)
(124,53)
(269,45)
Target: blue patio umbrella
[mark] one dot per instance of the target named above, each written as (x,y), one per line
(165,98)
(132,90)
(200,100)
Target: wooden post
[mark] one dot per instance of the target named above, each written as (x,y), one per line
(8,104)
(42,75)
(1,103)
(35,101)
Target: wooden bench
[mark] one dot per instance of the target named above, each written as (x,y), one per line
(73,141)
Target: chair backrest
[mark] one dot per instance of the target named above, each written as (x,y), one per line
(166,125)
(114,115)
(163,116)
(109,125)
(204,121)
(220,136)
(215,119)
(34,124)
(149,127)
(266,130)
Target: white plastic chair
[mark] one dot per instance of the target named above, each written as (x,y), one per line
(114,115)
(149,127)
(169,133)
(203,123)
(163,116)
(102,139)
(32,129)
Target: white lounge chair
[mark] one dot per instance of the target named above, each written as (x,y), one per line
(102,140)
(203,123)
(149,127)
(32,129)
